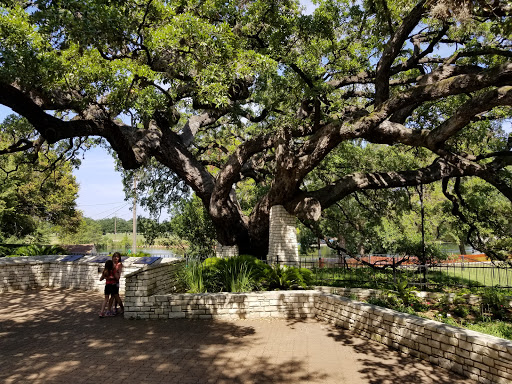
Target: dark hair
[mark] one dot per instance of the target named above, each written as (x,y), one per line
(116,254)
(109,265)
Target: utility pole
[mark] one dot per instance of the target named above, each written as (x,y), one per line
(134,241)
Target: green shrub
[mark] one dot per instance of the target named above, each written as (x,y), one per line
(193,276)
(284,277)
(234,274)
(38,250)
(462,311)
(403,290)
(381,302)
(495,302)
(495,328)
(242,273)
(240,278)
(307,277)
(4,251)
(137,254)
(211,262)
(418,305)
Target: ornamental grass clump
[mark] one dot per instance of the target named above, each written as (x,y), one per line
(242,273)
(193,276)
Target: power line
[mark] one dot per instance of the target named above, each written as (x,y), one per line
(111,213)
(94,205)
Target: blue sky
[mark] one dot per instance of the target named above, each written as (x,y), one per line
(101,189)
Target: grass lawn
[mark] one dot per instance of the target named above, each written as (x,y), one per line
(438,278)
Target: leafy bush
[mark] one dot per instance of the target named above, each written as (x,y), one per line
(496,328)
(495,302)
(284,277)
(403,290)
(461,311)
(379,301)
(38,250)
(137,254)
(242,273)
(211,262)
(239,279)
(235,274)
(4,251)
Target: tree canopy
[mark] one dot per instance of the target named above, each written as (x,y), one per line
(37,189)
(253,104)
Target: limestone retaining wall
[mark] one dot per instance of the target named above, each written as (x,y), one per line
(283,304)
(483,358)
(33,274)
(24,276)
(226,250)
(142,285)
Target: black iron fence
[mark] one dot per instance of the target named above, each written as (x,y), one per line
(388,270)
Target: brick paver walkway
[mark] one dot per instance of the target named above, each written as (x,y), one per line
(55,336)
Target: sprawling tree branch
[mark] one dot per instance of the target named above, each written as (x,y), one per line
(391,51)
(315,87)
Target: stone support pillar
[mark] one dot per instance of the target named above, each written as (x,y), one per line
(283,247)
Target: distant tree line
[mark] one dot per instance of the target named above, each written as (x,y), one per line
(115,225)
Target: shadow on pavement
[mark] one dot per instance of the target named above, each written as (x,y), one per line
(55,336)
(381,365)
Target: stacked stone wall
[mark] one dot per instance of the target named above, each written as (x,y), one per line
(483,358)
(226,251)
(283,247)
(143,284)
(23,275)
(81,276)
(279,304)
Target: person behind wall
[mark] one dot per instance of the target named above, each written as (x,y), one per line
(118,270)
(110,287)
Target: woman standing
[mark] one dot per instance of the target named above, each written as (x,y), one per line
(118,269)
(110,287)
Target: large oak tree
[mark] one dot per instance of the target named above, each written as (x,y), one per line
(227,96)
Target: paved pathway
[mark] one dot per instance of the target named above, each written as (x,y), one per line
(55,336)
